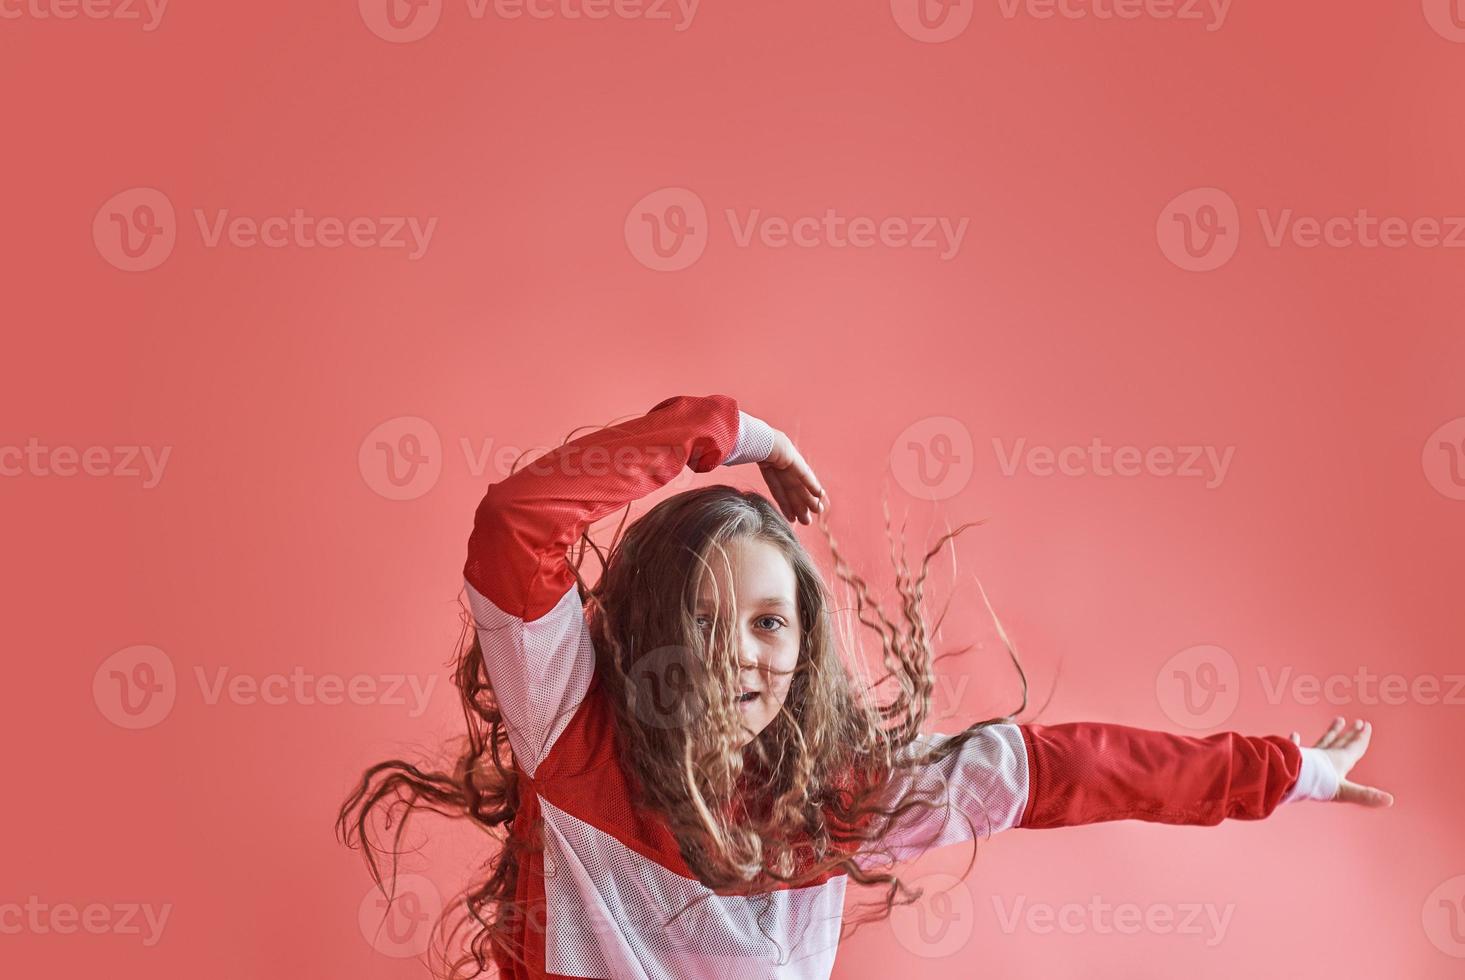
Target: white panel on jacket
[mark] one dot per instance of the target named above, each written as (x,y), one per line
(982,789)
(608,907)
(540,670)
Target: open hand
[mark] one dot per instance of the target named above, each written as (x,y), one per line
(1345,745)
(791,482)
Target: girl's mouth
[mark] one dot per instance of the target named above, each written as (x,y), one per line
(747,697)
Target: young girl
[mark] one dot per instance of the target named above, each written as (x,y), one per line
(685,773)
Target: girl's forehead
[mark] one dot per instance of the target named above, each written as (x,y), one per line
(757,571)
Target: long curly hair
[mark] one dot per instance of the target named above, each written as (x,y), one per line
(807,797)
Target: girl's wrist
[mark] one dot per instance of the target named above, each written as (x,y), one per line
(1318,778)
(755,441)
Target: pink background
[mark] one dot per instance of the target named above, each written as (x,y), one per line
(1333,543)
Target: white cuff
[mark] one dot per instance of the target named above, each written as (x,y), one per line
(755,441)
(1318,780)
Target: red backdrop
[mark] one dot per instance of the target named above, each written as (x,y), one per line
(1170,294)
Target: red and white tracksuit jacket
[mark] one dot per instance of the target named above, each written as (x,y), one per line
(609,875)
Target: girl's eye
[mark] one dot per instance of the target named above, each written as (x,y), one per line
(705,622)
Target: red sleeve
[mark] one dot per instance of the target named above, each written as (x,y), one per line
(1085,772)
(521,590)
(527,521)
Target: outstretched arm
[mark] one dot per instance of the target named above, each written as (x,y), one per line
(1042,776)
(1082,773)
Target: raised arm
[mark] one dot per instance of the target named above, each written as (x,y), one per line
(520,587)
(1041,776)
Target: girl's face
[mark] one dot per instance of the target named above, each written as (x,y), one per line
(765,623)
